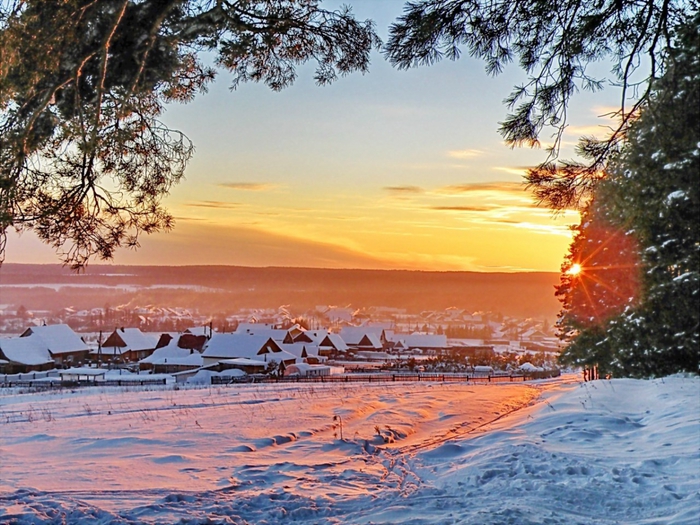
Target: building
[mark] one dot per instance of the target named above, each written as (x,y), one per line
(63,344)
(257,347)
(128,345)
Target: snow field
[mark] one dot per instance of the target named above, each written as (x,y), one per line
(555,452)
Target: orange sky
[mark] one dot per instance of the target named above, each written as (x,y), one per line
(392,169)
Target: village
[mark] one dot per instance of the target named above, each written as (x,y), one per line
(327,342)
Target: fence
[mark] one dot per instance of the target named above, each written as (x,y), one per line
(31,380)
(377,378)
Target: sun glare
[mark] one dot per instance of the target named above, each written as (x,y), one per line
(574,270)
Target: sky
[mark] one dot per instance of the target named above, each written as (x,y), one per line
(391,169)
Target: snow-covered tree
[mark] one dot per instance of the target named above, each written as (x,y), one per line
(652,195)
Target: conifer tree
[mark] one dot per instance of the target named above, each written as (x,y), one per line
(84,158)
(651,194)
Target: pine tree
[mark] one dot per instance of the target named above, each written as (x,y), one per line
(555,43)
(84,157)
(652,193)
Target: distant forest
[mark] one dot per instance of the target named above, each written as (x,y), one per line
(214,289)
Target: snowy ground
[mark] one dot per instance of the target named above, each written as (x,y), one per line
(559,452)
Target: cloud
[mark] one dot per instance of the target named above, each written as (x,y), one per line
(605,111)
(184,218)
(513,170)
(404,189)
(219,205)
(588,131)
(190,243)
(465,153)
(470,187)
(462,208)
(247,186)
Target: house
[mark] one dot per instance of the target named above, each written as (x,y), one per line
(24,354)
(293,334)
(184,340)
(365,337)
(129,344)
(249,366)
(171,359)
(309,370)
(332,344)
(431,343)
(231,346)
(63,344)
(304,352)
(205,331)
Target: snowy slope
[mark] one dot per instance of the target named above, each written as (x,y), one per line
(609,452)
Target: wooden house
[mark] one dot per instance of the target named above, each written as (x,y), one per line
(129,345)
(63,344)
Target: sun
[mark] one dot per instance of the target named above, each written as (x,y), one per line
(575,269)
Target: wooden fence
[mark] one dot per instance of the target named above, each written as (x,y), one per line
(48,385)
(378,378)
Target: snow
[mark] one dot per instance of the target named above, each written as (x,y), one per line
(134,339)
(170,353)
(25,350)
(58,338)
(552,452)
(230,346)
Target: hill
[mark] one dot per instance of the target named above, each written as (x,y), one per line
(225,288)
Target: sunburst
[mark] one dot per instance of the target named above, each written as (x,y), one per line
(574,269)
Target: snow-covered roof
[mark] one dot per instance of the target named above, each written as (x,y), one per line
(25,351)
(317,335)
(227,346)
(369,341)
(425,341)
(172,353)
(297,349)
(334,341)
(57,338)
(135,340)
(83,371)
(352,335)
(243,327)
(243,361)
(193,359)
(262,330)
(198,330)
(304,368)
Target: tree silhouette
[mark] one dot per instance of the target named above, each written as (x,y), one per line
(556,43)
(84,159)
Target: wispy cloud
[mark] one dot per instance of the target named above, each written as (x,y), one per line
(513,170)
(182,218)
(248,186)
(588,131)
(461,208)
(604,111)
(404,189)
(220,205)
(471,187)
(465,153)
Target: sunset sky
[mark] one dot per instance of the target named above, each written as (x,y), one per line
(393,169)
